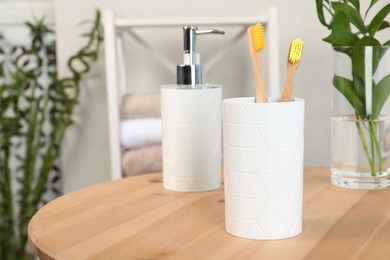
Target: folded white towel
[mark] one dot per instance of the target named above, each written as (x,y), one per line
(140,132)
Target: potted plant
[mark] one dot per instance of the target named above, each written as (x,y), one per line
(360,105)
(36,109)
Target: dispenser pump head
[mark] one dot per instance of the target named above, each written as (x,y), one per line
(191,72)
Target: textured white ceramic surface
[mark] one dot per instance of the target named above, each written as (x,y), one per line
(263,167)
(191,138)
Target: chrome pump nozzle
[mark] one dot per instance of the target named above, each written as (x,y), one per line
(191,72)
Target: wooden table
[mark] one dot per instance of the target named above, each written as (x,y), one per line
(136,218)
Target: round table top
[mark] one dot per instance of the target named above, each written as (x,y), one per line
(136,218)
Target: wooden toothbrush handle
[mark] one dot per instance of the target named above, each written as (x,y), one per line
(261,93)
(287,91)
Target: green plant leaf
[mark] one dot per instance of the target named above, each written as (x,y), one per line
(342,38)
(345,86)
(358,68)
(320,13)
(373,2)
(341,23)
(353,15)
(28,100)
(367,41)
(380,93)
(376,22)
(358,57)
(359,87)
(384,25)
(356,4)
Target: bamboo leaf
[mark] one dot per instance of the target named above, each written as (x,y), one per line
(358,57)
(341,23)
(359,86)
(320,13)
(373,2)
(384,25)
(356,4)
(380,92)
(367,41)
(345,86)
(353,15)
(342,38)
(376,22)
(19,98)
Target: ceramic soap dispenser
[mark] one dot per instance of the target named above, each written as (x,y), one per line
(191,124)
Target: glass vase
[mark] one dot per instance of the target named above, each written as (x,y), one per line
(361,118)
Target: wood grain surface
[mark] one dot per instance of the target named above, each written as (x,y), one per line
(136,218)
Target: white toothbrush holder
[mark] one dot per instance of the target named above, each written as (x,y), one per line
(263,167)
(191,137)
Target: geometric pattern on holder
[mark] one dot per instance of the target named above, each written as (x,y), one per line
(264,181)
(191,139)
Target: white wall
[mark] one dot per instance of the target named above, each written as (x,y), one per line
(14,14)
(85,158)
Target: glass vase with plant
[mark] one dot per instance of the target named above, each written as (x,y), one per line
(362,81)
(36,108)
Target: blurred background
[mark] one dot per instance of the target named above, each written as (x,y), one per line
(85,155)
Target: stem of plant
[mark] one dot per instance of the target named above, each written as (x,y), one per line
(375,142)
(372,144)
(363,140)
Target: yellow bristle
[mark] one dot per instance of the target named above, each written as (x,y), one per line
(295,51)
(257,33)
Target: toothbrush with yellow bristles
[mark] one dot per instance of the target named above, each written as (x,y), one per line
(256,44)
(293,61)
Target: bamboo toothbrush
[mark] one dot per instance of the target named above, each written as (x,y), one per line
(256,44)
(293,61)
